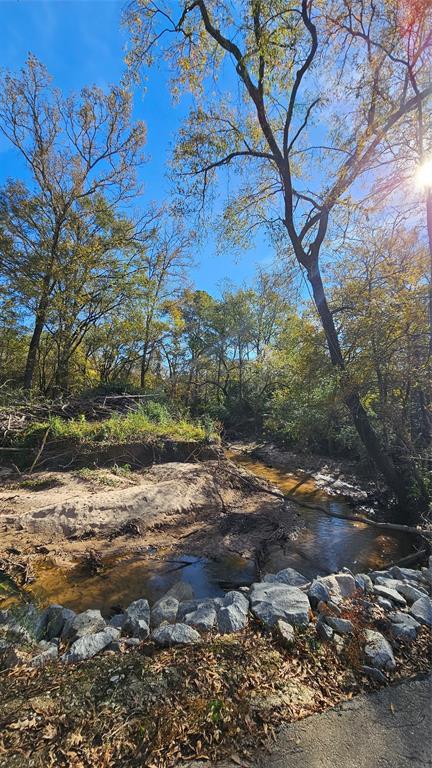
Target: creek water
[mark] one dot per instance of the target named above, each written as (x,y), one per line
(322,544)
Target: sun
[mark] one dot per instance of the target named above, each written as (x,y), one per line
(424,175)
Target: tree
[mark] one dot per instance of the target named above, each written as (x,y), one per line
(75,148)
(272,132)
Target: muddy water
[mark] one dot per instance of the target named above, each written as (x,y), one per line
(321,545)
(324,544)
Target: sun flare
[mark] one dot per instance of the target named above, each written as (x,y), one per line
(424,175)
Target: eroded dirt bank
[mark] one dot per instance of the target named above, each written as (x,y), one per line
(210,509)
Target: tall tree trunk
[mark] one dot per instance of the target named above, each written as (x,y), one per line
(33,350)
(360,418)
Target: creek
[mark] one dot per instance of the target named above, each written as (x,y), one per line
(321,544)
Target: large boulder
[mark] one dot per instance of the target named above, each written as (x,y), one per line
(231,618)
(203,619)
(165,610)
(29,621)
(85,623)
(48,652)
(90,644)
(409,592)
(175,634)
(390,594)
(287,576)
(57,616)
(378,651)
(363,582)
(422,610)
(270,602)
(403,626)
(339,585)
(318,593)
(341,626)
(137,619)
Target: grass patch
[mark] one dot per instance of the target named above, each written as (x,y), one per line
(136,426)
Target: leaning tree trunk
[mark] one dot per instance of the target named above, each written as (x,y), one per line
(33,350)
(394,479)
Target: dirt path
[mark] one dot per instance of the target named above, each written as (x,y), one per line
(387,729)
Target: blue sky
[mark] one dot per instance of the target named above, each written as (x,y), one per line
(80,42)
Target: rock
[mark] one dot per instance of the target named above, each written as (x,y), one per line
(341,626)
(90,644)
(32,621)
(287,576)
(340,585)
(164,610)
(410,593)
(118,620)
(137,619)
(318,593)
(385,604)
(285,633)
(181,590)
(410,574)
(189,606)
(136,628)
(4,617)
(173,634)
(422,610)
(383,581)
(328,609)
(236,598)
(374,674)
(49,653)
(324,632)
(231,618)
(203,619)
(57,616)
(390,594)
(271,602)
(85,623)
(403,626)
(139,609)
(378,651)
(363,582)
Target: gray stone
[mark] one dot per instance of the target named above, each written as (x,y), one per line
(422,610)
(385,604)
(173,634)
(48,653)
(287,576)
(285,633)
(342,626)
(378,651)
(118,620)
(164,610)
(390,594)
(236,598)
(139,609)
(136,628)
(403,626)
(410,593)
(374,674)
(85,623)
(89,645)
(339,642)
(324,632)
(340,585)
(57,616)
(271,602)
(410,574)
(363,582)
(189,606)
(231,618)
(203,619)
(318,593)
(32,621)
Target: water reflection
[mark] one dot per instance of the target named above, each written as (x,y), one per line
(325,544)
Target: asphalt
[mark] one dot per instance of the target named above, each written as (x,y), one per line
(391,728)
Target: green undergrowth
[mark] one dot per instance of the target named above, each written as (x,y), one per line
(133,427)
